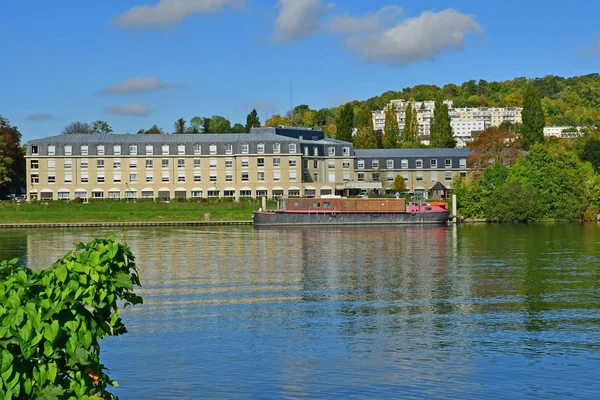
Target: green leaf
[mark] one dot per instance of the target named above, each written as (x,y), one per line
(123,280)
(14,261)
(19,317)
(50,392)
(81,356)
(61,272)
(7,374)
(7,359)
(52,371)
(51,331)
(25,331)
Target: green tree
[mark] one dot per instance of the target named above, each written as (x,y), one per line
(238,128)
(196,125)
(398,185)
(219,124)
(12,160)
(252,121)
(410,133)
(512,202)
(101,127)
(179,126)
(345,125)
(591,152)
(533,117)
(77,128)
(391,130)
(365,135)
(441,129)
(155,130)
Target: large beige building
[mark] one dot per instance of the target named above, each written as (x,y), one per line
(268,162)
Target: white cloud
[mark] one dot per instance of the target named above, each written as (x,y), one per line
(348,25)
(138,85)
(40,117)
(298,19)
(137,109)
(169,12)
(414,39)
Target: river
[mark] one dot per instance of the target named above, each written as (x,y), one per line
(470,311)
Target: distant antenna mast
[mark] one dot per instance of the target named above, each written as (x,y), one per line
(291,104)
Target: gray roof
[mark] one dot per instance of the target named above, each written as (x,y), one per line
(398,153)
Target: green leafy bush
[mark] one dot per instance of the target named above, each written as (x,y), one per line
(51,321)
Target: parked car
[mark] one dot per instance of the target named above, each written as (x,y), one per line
(364,194)
(20,198)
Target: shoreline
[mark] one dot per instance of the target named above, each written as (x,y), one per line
(118,224)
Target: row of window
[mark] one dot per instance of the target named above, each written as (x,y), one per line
(418,176)
(433,163)
(133,163)
(165,177)
(165,149)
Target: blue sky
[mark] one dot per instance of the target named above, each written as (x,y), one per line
(135,63)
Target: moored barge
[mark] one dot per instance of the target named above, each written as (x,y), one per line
(351,211)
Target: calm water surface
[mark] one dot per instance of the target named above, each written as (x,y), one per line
(486,311)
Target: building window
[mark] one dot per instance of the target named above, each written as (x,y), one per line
(293,176)
(276,148)
(261,193)
(212,193)
(133,150)
(181,163)
(448,176)
(197,177)
(68,163)
(35,178)
(434,176)
(100,150)
(433,163)
(228,149)
(197,150)
(165,177)
(117,150)
(117,177)
(181,177)
(346,151)
(260,176)
(196,194)
(181,149)
(463,174)
(133,163)
(260,148)
(389,164)
(63,195)
(245,162)
(117,163)
(97,195)
(68,150)
(276,161)
(245,193)
(404,164)
(294,192)
(229,163)
(229,177)
(132,178)
(149,177)
(315,151)
(130,194)
(51,150)
(463,163)
(34,150)
(165,149)
(276,176)
(245,148)
(100,178)
(196,162)
(100,164)
(84,163)
(331,164)
(212,149)
(84,150)
(419,175)
(304,164)
(69,178)
(81,195)
(361,164)
(419,163)
(212,163)
(34,164)
(292,147)
(448,163)
(292,162)
(390,176)
(316,164)
(331,151)
(213,177)
(84,177)
(147,194)
(245,176)
(375,176)
(149,149)
(51,163)
(346,176)
(260,162)
(375,164)
(346,164)
(405,176)
(165,163)
(229,193)
(361,176)
(149,163)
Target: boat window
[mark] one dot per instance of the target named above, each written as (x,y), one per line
(316,204)
(327,204)
(427,208)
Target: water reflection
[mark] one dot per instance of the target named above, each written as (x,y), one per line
(439,312)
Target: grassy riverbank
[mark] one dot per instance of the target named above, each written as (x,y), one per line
(121,211)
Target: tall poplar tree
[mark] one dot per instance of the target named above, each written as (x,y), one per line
(441,129)
(391,131)
(533,117)
(365,136)
(252,120)
(345,124)
(410,133)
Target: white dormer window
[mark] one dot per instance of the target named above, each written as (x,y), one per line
(228,149)
(100,150)
(133,150)
(68,150)
(375,164)
(361,164)
(149,149)
(463,163)
(51,150)
(433,163)
(165,149)
(404,164)
(331,151)
(84,150)
(276,148)
(212,149)
(448,163)
(245,148)
(260,148)
(346,151)
(419,163)
(306,150)
(389,164)
(316,151)
(117,149)
(181,149)
(197,149)
(292,147)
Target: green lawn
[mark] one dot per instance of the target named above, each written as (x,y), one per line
(121,211)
